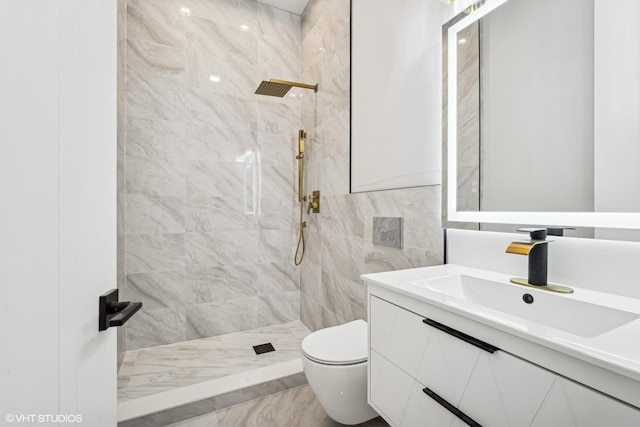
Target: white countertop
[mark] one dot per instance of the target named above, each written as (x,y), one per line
(617,350)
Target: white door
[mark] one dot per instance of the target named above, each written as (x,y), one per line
(57,211)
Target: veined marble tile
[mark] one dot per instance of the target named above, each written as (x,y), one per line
(276,245)
(336,140)
(313,45)
(345,298)
(155,99)
(156,327)
(220,179)
(381,258)
(338,26)
(313,248)
(279,117)
(222,111)
(330,104)
(222,283)
(221,75)
(344,256)
(311,283)
(239,346)
(343,216)
(275,55)
(335,176)
(311,14)
(222,248)
(157,290)
(152,370)
(422,228)
(150,60)
(279,149)
(207,214)
(149,253)
(222,40)
(278,183)
(229,12)
(155,138)
(336,74)
(161,23)
(155,176)
(278,214)
(294,407)
(279,24)
(277,277)
(211,143)
(206,420)
(277,308)
(314,315)
(155,214)
(205,320)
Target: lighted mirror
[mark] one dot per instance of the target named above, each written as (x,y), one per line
(542,107)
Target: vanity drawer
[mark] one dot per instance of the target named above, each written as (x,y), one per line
(397,334)
(490,386)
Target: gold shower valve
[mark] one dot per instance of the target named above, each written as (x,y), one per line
(314,202)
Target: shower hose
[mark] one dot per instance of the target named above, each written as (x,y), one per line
(300,246)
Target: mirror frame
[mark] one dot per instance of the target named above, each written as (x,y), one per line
(628,220)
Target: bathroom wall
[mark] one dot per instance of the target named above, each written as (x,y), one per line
(339,239)
(120,226)
(209,168)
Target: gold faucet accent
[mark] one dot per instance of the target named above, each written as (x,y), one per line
(536,250)
(523,248)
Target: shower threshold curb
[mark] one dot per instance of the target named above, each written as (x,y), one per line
(208,396)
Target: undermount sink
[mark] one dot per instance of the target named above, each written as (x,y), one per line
(561,312)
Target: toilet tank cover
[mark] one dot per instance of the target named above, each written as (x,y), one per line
(339,345)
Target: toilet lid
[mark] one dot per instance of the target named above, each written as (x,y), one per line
(340,345)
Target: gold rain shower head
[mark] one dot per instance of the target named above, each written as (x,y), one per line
(279,88)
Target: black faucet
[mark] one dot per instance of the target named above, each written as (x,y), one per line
(537,250)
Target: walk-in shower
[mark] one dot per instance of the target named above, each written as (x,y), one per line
(206,207)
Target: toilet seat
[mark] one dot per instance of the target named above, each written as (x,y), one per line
(339,345)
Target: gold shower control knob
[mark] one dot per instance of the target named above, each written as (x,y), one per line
(314,202)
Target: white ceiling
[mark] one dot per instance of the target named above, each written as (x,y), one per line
(293,6)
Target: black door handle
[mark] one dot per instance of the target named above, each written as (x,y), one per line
(113,312)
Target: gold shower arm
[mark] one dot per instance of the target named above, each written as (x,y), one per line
(295,84)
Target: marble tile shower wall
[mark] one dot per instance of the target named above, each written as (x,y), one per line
(210,168)
(339,242)
(120,234)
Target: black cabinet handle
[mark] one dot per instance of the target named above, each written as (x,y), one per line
(449,407)
(113,312)
(461,335)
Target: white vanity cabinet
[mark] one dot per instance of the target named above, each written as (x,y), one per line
(419,364)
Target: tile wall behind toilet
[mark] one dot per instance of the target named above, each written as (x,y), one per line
(209,169)
(339,239)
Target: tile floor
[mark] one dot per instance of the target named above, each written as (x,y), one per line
(153,370)
(297,407)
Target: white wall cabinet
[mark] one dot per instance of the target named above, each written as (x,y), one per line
(489,386)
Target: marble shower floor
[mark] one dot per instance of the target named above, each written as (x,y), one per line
(149,371)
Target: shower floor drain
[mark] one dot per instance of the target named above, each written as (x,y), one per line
(263,348)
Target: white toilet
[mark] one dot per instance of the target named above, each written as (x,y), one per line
(335,363)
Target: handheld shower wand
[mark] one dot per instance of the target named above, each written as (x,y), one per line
(302,135)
